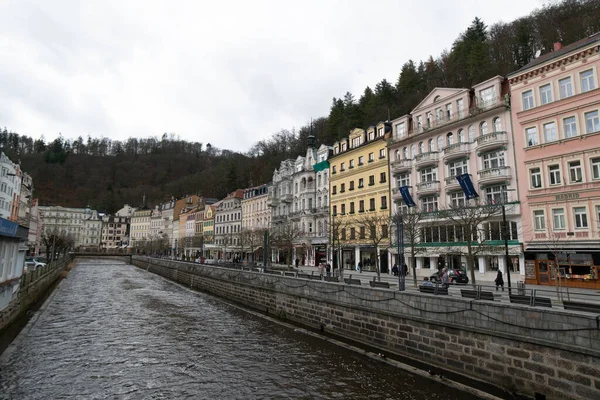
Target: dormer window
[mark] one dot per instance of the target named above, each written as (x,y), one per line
(344,146)
(380,131)
(356,142)
(371,135)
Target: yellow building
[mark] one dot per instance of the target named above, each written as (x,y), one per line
(359,189)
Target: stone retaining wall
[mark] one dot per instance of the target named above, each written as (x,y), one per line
(521,349)
(32,286)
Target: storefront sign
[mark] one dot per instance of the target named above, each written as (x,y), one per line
(567,196)
(8,228)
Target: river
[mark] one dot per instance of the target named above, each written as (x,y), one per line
(115,331)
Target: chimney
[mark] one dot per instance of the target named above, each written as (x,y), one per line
(557,46)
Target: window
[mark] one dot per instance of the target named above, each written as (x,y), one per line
(430,145)
(449,139)
(334,189)
(592,122)
(575,171)
(539,221)
(343,209)
(342,167)
(440,143)
(595,168)
(471,133)
(404,179)
(587,80)
(421,148)
(428,175)
(497,124)
(352,233)
(413,151)
(384,231)
(371,204)
(371,180)
(429,204)
(342,187)
(461,136)
(527,100)
(405,153)
(449,111)
(483,128)
(334,210)
(400,130)
(554,171)
(381,153)
(532,137)
(550,133)
(361,206)
(566,87)
(581,220)
(570,127)
(383,202)
(351,164)
(536,177)
(351,207)
(495,159)
(379,131)
(496,194)
(419,123)
(333,171)
(355,142)
(343,233)
(457,199)
(361,183)
(458,167)
(351,185)
(546,94)
(361,160)
(371,157)
(362,232)
(382,178)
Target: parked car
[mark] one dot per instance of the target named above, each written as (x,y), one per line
(34,262)
(456,276)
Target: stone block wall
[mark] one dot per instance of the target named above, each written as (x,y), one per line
(521,349)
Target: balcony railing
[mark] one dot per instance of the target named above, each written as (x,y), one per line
(428,187)
(400,166)
(456,150)
(491,141)
(493,175)
(428,158)
(287,197)
(452,183)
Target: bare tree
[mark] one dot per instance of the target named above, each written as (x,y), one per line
(412,227)
(251,238)
(335,227)
(467,220)
(378,232)
(284,235)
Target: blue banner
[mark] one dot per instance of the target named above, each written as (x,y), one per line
(8,228)
(466,185)
(406,196)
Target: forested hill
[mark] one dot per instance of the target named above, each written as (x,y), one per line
(106,174)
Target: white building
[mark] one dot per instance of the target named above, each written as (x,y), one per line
(10,188)
(82,224)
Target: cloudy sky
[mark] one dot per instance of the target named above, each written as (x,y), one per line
(227,73)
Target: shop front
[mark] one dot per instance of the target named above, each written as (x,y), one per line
(572,268)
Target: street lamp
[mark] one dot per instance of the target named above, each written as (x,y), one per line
(400,244)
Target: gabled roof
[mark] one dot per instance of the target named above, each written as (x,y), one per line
(441,91)
(554,54)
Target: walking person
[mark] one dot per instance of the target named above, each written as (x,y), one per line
(499,281)
(445,278)
(395,270)
(328,270)
(360,267)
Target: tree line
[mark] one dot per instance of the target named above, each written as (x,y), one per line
(105,173)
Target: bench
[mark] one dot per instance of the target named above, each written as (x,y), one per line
(582,306)
(477,295)
(376,284)
(331,279)
(531,301)
(303,276)
(350,281)
(432,290)
(289,274)
(315,277)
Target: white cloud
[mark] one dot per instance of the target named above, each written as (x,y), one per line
(228,73)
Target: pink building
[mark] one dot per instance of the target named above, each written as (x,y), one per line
(453,132)
(555,112)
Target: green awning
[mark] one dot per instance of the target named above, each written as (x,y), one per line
(321,166)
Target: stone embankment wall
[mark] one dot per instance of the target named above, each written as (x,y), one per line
(521,349)
(32,286)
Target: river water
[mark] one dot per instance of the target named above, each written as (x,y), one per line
(113,331)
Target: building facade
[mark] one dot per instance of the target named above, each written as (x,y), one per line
(83,225)
(10,187)
(228,225)
(208,231)
(115,232)
(450,133)
(280,199)
(140,227)
(556,116)
(359,199)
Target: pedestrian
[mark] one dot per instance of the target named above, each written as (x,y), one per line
(395,270)
(328,270)
(445,278)
(321,267)
(405,269)
(499,281)
(426,282)
(297,262)
(360,267)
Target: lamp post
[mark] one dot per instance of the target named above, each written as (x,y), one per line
(505,231)
(400,246)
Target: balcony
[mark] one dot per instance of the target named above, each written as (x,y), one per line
(425,159)
(494,175)
(431,187)
(287,197)
(401,166)
(397,197)
(452,184)
(456,150)
(491,141)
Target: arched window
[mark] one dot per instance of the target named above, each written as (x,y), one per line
(429,120)
(436,98)
(449,139)
(397,155)
(405,153)
(483,130)
(497,125)
(421,148)
(440,143)
(430,145)
(461,136)
(413,151)
(471,133)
